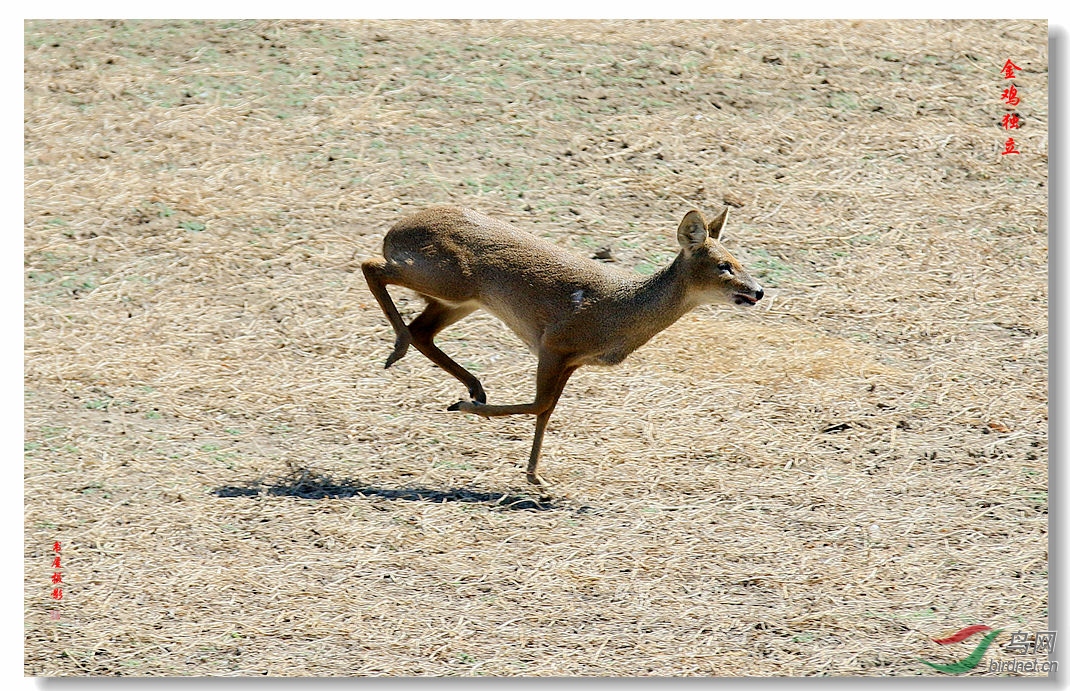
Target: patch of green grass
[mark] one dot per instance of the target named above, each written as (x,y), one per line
(226,458)
(866,239)
(769,268)
(77,284)
(1037,497)
(49,432)
(100,404)
(195,226)
(153,415)
(843,100)
(50,258)
(451,465)
(927,613)
(95,488)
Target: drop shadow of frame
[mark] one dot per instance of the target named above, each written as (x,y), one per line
(308,484)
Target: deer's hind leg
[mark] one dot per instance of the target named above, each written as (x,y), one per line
(436,317)
(379,273)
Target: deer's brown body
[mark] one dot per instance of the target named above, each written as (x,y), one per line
(570,311)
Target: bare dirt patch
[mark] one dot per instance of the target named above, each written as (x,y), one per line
(817,486)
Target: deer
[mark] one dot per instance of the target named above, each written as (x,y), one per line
(568,310)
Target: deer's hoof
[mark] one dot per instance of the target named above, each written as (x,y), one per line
(400,348)
(468,407)
(538,480)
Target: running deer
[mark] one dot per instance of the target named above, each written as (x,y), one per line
(569,311)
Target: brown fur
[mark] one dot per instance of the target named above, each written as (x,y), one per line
(570,311)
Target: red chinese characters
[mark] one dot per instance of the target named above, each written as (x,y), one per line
(1010,96)
(1011,99)
(57,577)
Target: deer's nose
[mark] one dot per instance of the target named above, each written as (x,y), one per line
(759,294)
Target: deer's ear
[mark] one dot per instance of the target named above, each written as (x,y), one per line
(716,224)
(692,230)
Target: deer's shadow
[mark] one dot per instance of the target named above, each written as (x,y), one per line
(307,484)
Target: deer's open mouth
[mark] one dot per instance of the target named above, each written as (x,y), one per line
(742,299)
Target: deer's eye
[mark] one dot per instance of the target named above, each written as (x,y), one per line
(724,267)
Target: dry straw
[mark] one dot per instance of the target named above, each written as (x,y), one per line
(815,487)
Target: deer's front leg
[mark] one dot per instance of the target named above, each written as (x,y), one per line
(548,385)
(540,428)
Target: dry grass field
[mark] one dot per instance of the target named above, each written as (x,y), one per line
(819,485)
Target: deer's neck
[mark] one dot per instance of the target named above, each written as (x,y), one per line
(653,305)
(663,298)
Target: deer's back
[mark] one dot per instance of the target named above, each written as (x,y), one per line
(460,255)
(455,245)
